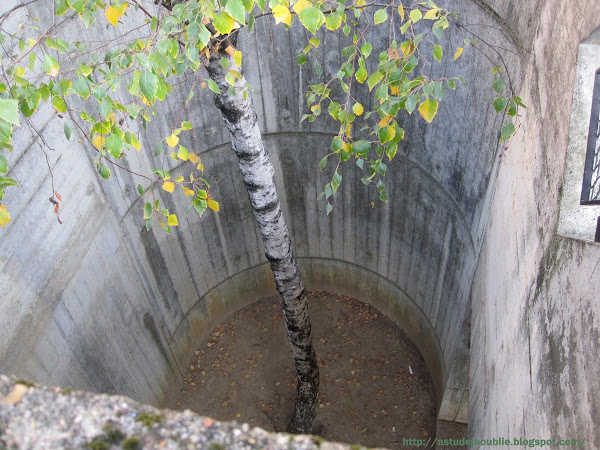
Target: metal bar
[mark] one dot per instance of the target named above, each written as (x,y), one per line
(590,190)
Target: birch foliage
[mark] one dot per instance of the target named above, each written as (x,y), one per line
(178,39)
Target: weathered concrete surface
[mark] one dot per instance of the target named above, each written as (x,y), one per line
(53,418)
(99,303)
(415,255)
(535,311)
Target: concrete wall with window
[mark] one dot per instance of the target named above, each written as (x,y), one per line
(535,313)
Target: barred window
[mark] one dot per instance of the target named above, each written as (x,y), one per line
(590,192)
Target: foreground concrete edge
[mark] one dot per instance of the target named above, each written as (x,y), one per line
(34,417)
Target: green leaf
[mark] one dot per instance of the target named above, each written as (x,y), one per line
(9,111)
(6,182)
(82,88)
(337,144)
(335,182)
(77,5)
(499,104)
(248,5)
(361,147)
(67,130)
(328,208)
(312,18)
(114,144)
(106,107)
(333,21)
(251,22)
(223,23)
(375,78)
(366,49)
(416,15)
(428,109)
(183,153)
(361,74)
(507,131)
(147,210)
(104,172)
(386,134)
(149,85)
(214,87)
(391,150)
(498,85)
(59,104)
(3,164)
(141,191)
(50,65)
(301,59)
(323,163)
(438,52)
(380,16)
(236,9)
(61,7)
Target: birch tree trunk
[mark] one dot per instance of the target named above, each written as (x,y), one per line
(246,140)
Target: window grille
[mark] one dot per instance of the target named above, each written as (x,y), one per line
(590,192)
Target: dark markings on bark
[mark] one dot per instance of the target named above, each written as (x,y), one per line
(271,206)
(246,141)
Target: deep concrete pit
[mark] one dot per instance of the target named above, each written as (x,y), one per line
(98,303)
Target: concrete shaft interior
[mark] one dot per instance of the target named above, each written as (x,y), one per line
(464,256)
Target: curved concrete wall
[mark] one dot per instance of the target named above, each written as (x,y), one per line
(413,257)
(101,304)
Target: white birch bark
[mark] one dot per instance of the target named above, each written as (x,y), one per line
(246,140)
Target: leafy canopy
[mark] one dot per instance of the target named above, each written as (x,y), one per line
(86,83)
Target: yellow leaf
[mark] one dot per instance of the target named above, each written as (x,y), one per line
(172,140)
(213,205)
(112,118)
(431,14)
(168,186)
(459,51)
(428,109)
(98,142)
(172,220)
(349,130)
(395,90)
(14,396)
(194,158)
(187,191)
(200,167)
(230,50)
(383,122)
(4,216)
(357,109)
(114,13)
(282,14)
(237,58)
(401,12)
(53,71)
(300,5)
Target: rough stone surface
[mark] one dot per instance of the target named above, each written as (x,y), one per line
(54,418)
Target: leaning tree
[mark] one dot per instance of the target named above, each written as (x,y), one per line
(86,84)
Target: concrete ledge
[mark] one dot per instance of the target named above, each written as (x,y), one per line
(53,418)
